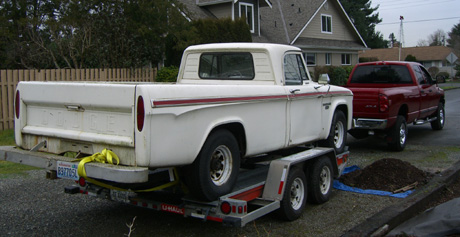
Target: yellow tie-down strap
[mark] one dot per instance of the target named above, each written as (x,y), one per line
(108,156)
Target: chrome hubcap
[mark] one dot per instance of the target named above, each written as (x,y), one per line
(297,193)
(325,180)
(339,134)
(221,165)
(402,134)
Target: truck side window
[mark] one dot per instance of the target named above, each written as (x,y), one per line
(427,76)
(226,66)
(419,75)
(294,69)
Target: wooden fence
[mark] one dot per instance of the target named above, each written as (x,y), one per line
(10,78)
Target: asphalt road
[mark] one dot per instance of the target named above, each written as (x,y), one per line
(424,135)
(34,206)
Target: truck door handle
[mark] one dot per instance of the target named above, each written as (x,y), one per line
(293,91)
(77,108)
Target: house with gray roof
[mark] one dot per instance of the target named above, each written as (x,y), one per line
(321,28)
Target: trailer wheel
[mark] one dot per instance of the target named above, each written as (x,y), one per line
(214,171)
(438,124)
(398,134)
(294,197)
(338,133)
(320,180)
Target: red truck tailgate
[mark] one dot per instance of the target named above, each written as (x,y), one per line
(365,101)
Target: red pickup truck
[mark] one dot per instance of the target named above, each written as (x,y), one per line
(389,95)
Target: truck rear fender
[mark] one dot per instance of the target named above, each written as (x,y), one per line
(235,126)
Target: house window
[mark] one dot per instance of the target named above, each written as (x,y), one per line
(326,24)
(328,58)
(346,59)
(311,59)
(247,10)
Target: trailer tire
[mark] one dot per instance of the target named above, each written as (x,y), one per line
(320,180)
(337,137)
(214,171)
(295,195)
(398,134)
(438,124)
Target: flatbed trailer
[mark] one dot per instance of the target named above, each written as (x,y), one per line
(275,182)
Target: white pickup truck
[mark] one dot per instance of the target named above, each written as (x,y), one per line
(232,101)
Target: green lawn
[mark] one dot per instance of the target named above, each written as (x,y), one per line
(9,169)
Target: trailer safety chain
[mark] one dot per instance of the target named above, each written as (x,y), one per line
(108,156)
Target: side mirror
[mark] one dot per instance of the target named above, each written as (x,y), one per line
(324,79)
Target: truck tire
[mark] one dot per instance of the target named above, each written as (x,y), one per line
(214,171)
(320,180)
(438,124)
(398,134)
(294,196)
(338,134)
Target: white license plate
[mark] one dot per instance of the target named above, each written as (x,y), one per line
(67,170)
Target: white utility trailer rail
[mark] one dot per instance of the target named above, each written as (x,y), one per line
(282,182)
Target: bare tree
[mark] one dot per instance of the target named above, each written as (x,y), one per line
(438,38)
(422,43)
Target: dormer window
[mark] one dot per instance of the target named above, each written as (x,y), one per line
(326,24)
(247,10)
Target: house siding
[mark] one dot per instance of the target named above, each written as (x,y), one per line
(221,10)
(340,28)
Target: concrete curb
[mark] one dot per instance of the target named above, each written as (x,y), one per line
(389,218)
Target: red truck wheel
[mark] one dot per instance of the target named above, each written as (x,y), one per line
(214,171)
(398,134)
(438,124)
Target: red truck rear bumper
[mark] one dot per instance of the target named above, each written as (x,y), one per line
(367,123)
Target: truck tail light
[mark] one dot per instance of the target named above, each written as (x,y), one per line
(17,104)
(140,113)
(384,103)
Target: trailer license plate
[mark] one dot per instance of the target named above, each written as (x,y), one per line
(67,170)
(120,196)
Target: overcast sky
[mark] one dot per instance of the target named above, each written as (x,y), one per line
(421,18)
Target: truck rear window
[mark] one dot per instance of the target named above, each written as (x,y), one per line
(226,66)
(393,74)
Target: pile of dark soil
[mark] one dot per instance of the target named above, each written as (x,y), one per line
(386,174)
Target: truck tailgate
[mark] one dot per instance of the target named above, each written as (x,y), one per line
(365,101)
(78,117)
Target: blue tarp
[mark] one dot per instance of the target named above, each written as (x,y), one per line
(338,185)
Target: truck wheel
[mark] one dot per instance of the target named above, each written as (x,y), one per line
(438,124)
(214,171)
(338,134)
(294,197)
(320,180)
(398,134)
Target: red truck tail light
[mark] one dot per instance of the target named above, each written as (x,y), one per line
(140,113)
(17,104)
(384,103)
